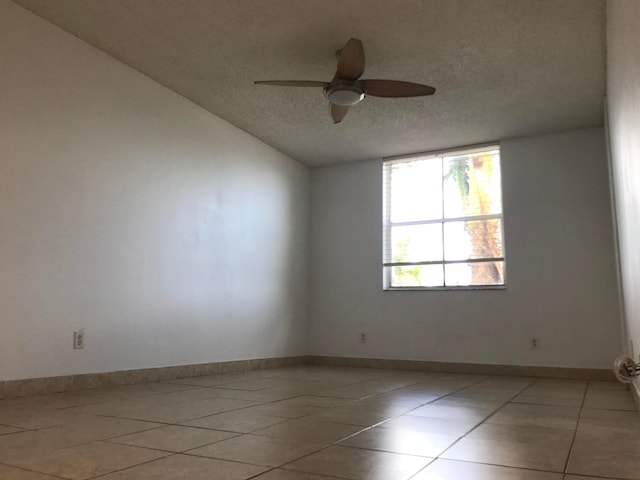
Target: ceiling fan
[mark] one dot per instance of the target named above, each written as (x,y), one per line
(346,89)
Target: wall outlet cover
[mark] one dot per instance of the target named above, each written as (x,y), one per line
(78,340)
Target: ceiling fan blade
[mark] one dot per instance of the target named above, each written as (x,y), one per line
(338,112)
(395,88)
(292,83)
(351,60)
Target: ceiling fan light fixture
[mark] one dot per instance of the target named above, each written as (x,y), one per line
(346,88)
(345,95)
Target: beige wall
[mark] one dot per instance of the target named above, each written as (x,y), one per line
(170,236)
(623,93)
(561,281)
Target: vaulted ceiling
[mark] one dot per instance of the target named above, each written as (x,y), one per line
(501,68)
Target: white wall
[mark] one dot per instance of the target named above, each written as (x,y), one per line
(623,92)
(170,236)
(560,267)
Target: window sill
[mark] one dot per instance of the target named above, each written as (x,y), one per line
(444,289)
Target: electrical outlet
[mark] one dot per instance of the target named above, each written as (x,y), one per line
(78,340)
(535,343)
(363,337)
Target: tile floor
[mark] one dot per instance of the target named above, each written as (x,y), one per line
(318,423)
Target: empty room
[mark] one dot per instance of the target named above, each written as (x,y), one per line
(302,240)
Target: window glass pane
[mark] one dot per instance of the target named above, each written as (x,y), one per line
(416,243)
(416,276)
(473,239)
(472,185)
(468,274)
(416,191)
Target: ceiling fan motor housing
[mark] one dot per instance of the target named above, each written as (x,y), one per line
(344,93)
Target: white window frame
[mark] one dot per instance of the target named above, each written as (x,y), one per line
(387,224)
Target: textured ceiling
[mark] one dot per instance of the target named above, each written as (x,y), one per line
(502,68)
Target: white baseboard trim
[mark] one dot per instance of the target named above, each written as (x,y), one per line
(472,368)
(66,383)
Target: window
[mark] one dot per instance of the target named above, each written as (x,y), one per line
(442,220)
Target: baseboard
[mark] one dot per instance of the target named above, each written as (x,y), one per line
(473,368)
(67,383)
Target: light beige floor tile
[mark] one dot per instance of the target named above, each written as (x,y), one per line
(25,417)
(609,422)
(239,421)
(454,470)
(561,383)
(5,430)
(419,419)
(468,378)
(443,426)
(614,455)
(90,428)
(257,450)
(303,429)
(446,385)
(54,400)
(610,399)
(272,383)
(600,385)
(381,404)
(359,464)
(408,397)
(356,416)
(84,429)
(351,392)
(260,384)
(11,473)
(33,441)
(428,386)
(86,461)
(583,477)
(225,378)
(557,390)
(537,416)
(487,393)
(280,474)
(548,400)
(313,401)
(174,438)
(284,411)
(458,408)
(396,440)
(120,392)
(235,394)
(421,376)
(270,394)
(507,382)
(188,395)
(514,446)
(204,381)
(149,409)
(186,467)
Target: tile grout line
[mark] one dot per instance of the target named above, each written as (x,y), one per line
(370,427)
(575,432)
(477,426)
(165,424)
(32,471)
(348,401)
